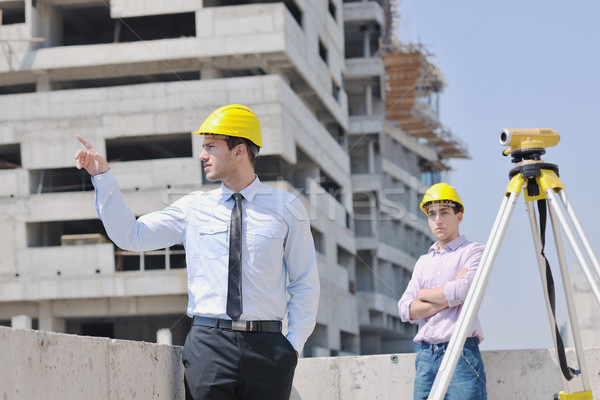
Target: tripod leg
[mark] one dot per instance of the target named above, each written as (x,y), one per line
(473,299)
(562,260)
(537,241)
(593,280)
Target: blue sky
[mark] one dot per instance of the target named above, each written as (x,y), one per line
(516,64)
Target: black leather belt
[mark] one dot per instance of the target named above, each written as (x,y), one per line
(244,326)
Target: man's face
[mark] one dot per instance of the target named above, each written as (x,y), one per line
(217,159)
(443,222)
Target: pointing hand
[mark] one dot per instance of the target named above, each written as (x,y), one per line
(90,159)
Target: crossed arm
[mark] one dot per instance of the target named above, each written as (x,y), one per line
(431,301)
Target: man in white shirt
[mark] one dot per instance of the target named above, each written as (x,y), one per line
(248,246)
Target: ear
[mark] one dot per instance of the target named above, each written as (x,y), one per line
(240,151)
(459,217)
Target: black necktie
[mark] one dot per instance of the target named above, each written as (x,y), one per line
(234,283)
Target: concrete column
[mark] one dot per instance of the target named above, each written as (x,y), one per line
(333,339)
(164,336)
(371,156)
(366,42)
(374,217)
(167,258)
(368,100)
(210,73)
(49,322)
(375,272)
(21,322)
(46,22)
(42,83)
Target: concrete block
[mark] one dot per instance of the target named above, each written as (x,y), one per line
(21,322)
(164,336)
(357,378)
(57,366)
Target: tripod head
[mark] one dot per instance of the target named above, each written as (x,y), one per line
(527,144)
(526,148)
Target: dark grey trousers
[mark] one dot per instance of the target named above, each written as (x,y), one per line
(222,364)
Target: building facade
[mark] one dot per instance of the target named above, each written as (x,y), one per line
(349,124)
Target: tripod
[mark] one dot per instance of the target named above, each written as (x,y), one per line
(541,183)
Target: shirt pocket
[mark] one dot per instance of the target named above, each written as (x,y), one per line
(267,242)
(213,241)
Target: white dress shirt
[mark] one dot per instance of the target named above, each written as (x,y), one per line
(278,252)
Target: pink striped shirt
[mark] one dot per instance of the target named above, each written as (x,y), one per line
(439,268)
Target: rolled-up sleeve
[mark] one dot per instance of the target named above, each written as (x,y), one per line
(410,295)
(456,291)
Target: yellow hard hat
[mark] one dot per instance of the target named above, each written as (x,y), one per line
(233,120)
(441,193)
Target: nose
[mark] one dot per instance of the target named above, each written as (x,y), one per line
(203,155)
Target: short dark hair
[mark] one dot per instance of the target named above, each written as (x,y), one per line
(456,207)
(233,141)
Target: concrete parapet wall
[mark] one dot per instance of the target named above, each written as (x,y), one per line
(46,365)
(52,366)
(513,374)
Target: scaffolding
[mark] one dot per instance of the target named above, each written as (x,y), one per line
(412,88)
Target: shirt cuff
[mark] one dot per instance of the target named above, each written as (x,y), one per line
(104,185)
(450,293)
(295,342)
(404,310)
(104,180)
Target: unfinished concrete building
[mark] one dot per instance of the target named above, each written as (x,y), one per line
(398,147)
(136,77)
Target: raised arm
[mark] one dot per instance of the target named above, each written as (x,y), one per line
(90,159)
(152,231)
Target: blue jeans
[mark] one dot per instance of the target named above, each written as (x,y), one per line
(468,381)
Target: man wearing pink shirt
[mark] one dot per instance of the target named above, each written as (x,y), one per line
(434,298)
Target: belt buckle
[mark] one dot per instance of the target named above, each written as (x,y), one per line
(239,325)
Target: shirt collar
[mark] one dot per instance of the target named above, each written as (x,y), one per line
(450,246)
(248,192)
